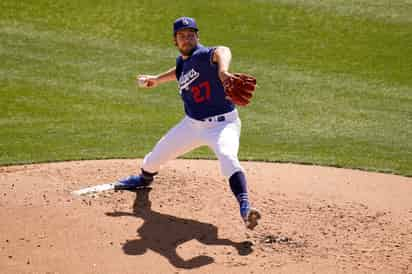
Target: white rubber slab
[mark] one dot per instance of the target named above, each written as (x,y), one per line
(94,189)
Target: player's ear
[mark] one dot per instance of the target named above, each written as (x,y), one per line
(174,40)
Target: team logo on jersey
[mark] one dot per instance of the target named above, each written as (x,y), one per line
(186,79)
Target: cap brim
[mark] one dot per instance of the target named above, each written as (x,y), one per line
(195,29)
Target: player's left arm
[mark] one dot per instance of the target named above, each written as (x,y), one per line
(239,87)
(222,56)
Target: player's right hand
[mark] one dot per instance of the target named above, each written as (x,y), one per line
(147,81)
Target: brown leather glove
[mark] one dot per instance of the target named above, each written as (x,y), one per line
(239,88)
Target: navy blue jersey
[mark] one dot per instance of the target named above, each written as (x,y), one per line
(200,87)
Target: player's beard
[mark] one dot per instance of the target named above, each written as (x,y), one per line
(188,50)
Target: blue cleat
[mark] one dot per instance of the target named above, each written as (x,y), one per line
(249,215)
(132,183)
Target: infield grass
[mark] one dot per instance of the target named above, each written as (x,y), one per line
(335,79)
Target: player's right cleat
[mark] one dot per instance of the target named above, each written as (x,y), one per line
(132,183)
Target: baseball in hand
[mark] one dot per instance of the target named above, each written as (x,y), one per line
(142,81)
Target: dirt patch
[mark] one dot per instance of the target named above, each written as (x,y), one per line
(315,220)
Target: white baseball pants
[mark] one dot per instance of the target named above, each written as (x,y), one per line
(221,136)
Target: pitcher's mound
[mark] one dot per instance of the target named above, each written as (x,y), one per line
(314,220)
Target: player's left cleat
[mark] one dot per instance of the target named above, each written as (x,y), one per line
(132,183)
(250,216)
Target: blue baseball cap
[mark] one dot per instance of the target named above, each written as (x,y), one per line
(184,23)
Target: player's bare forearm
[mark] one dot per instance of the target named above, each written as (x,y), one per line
(222,56)
(151,81)
(167,76)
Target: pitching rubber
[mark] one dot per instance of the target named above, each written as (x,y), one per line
(93,189)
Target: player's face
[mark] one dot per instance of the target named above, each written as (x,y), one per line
(186,40)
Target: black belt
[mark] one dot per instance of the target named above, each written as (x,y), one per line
(220,118)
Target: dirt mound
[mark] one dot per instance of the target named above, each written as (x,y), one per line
(315,219)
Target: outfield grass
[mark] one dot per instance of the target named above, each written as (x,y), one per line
(335,85)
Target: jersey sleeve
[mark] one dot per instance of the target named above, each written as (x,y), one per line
(210,55)
(179,67)
(206,55)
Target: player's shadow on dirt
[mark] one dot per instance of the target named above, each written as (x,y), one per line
(163,233)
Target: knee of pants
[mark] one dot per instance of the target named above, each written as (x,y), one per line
(229,165)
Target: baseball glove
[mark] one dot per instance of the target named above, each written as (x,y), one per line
(239,88)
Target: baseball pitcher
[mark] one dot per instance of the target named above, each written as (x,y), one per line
(210,94)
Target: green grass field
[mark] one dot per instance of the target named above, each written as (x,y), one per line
(335,79)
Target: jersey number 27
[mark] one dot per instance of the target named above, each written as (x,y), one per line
(201,92)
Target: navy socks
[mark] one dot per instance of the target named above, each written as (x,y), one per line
(147,176)
(238,186)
